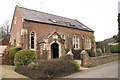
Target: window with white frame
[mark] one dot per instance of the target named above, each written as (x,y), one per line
(41,49)
(32,40)
(75,42)
(15,20)
(63,37)
(88,43)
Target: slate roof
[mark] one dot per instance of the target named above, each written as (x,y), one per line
(42,40)
(4,42)
(38,16)
(47,36)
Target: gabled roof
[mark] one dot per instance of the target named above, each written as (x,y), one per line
(42,40)
(38,16)
(4,42)
(46,37)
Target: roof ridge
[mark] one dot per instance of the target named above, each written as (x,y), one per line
(46,13)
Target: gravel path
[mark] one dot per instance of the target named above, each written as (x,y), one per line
(8,72)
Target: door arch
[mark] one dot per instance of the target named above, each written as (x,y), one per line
(54,50)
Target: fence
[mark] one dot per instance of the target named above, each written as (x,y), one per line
(4,59)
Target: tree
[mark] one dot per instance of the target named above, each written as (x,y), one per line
(118,39)
(115,37)
(4,30)
(101,45)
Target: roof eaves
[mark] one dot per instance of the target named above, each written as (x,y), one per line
(20,12)
(84,25)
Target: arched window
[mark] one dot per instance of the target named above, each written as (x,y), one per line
(73,41)
(76,42)
(88,43)
(63,37)
(32,40)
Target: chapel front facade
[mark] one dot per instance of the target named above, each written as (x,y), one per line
(49,34)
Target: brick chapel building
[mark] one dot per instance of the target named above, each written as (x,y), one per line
(42,32)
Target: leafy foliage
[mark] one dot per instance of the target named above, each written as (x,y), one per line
(4,30)
(99,50)
(118,39)
(114,49)
(101,45)
(12,52)
(76,65)
(76,53)
(89,52)
(45,54)
(104,45)
(25,57)
(47,69)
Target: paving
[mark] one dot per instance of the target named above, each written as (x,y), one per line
(109,70)
(8,72)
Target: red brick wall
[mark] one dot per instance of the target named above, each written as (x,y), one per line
(43,29)
(16,28)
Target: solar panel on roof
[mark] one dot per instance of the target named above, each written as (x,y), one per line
(83,26)
(52,20)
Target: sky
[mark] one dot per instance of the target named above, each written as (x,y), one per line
(99,15)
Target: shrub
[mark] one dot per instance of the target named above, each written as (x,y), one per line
(76,53)
(99,50)
(24,57)
(76,65)
(46,69)
(114,49)
(12,52)
(89,52)
(45,54)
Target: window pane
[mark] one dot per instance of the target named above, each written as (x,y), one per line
(63,37)
(76,42)
(32,40)
(73,41)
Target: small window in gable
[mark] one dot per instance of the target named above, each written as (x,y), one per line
(63,36)
(15,20)
(32,40)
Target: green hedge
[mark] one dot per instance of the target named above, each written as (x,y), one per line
(76,65)
(114,49)
(89,52)
(24,57)
(12,52)
(99,50)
